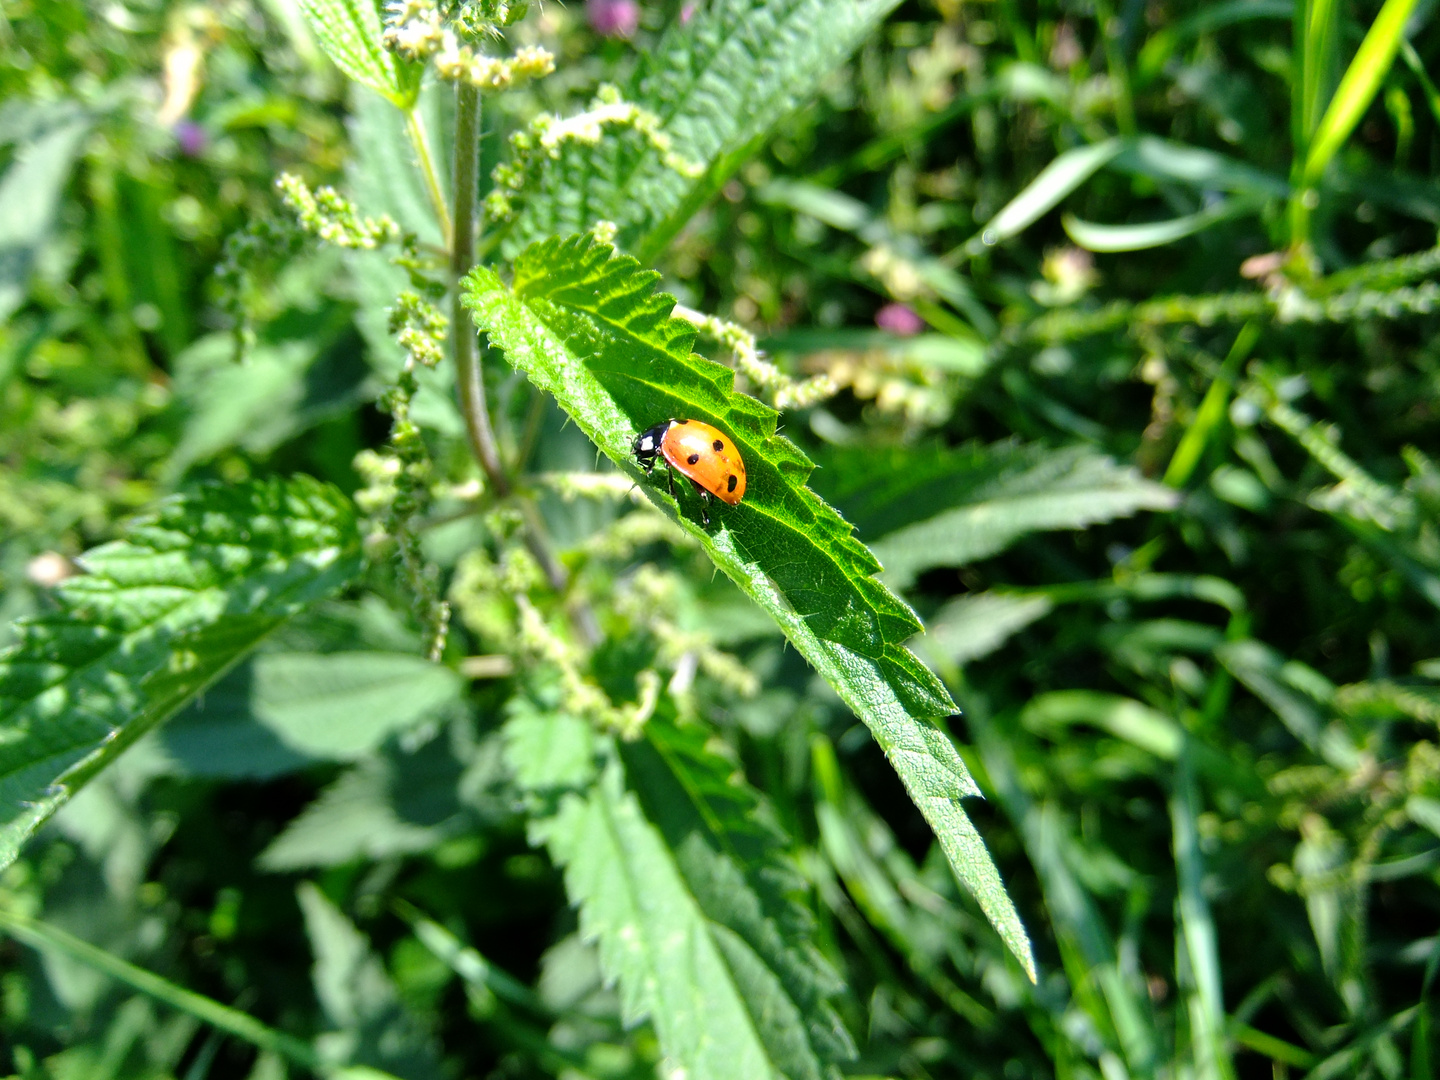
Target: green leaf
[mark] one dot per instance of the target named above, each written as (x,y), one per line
(30,194)
(1211,17)
(718,82)
(1164,159)
(155,619)
(589,329)
(652,935)
(1151,234)
(735,863)
(1198,935)
(977,624)
(1057,180)
(1358,86)
(359,1000)
(349,32)
(280,390)
(342,705)
(1123,717)
(989,497)
(393,804)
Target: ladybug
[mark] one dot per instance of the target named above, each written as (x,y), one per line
(700,453)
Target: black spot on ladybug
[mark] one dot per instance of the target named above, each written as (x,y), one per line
(693,458)
(730,484)
(684,421)
(719,445)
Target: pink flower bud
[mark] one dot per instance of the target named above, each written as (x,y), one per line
(190,137)
(899,319)
(613,18)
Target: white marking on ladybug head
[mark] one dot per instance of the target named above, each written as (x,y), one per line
(647,443)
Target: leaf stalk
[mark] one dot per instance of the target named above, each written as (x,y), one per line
(419,139)
(469,377)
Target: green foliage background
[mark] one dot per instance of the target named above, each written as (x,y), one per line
(1146,450)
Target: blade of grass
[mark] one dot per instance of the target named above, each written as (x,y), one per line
(1357,89)
(1358,86)
(1106,238)
(46,938)
(1057,180)
(1417,68)
(1197,929)
(1212,409)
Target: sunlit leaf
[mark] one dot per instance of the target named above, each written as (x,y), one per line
(589,329)
(1057,180)
(718,81)
(1358,86)
(155,619)
(349,32)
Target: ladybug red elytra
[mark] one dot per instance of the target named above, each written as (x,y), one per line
(700,453)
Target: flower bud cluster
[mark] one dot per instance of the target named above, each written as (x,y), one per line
(327,214)
(785,392)
(420,329)
(418,31)
(547,134)
(460,63)
(397,491)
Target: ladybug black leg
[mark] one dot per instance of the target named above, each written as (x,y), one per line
(704,504)
(670,482)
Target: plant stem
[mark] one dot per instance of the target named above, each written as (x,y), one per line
(470,378)
(415,127)
(468,375)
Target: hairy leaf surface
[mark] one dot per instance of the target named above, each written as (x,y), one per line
(349,32)
(718,82)
(155,619)
(733,861)
(652,935)
(589,329)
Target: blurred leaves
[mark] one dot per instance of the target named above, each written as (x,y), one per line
(32,186)
(987,497)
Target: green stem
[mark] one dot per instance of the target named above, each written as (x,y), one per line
(415,127)
(468,374)
(41,936)
(1211,412)
(1118,68)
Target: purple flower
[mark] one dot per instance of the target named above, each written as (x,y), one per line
(688,12)
(899,319)
(613,18)
(191,138)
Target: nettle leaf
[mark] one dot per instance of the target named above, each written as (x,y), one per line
(372,1027)
(735,863)
(718,82)
(391,804)
(349,32)
(589,329)
(652,935)
(155,618)
(991,496)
